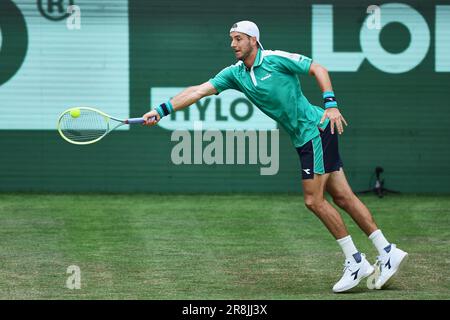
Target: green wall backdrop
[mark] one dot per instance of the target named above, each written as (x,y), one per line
(126,51)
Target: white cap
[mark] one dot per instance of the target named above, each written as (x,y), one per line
(249,28)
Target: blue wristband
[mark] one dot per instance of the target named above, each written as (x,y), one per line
(164,109)
(329,100)
(160,112)
(170,106)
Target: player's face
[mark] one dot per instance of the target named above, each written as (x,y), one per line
(241,45)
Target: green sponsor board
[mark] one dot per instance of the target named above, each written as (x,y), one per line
(230,110)
(56,66)
(372,49)
(390,67)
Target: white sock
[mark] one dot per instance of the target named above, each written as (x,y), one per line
(348,247)
(379,241)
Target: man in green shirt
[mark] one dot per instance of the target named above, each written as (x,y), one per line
(270,80)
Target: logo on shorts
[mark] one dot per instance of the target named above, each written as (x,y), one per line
(307,171)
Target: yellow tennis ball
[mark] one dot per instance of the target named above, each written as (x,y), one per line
(75,113)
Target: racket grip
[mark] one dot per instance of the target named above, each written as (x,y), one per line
(137,120)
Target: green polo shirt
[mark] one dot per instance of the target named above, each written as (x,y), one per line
(273,86)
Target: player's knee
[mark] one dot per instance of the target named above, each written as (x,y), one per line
(312,202)
(343,200)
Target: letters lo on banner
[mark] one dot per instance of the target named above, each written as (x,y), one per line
(230,110)
(369,38)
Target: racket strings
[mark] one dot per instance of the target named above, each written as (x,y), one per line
(86,127)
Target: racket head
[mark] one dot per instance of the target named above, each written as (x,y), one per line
(85,125)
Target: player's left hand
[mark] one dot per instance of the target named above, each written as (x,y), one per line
(336,119)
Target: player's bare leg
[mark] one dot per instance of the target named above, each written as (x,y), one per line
(390,258)
(356,266)
(343,196)
(313,192)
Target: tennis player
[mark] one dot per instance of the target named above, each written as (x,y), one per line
(270,80)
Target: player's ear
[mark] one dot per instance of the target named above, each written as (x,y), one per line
(254,41)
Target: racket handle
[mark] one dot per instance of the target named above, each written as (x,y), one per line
(137,120)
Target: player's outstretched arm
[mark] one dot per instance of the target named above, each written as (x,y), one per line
(182,100)
(332,112)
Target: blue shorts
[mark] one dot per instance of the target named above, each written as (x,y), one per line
(321,154)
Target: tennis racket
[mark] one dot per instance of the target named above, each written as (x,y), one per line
(86,125)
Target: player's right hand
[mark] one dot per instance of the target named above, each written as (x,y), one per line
(148,118)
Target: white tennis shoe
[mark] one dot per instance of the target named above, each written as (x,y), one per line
(387,265)
(354,272)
